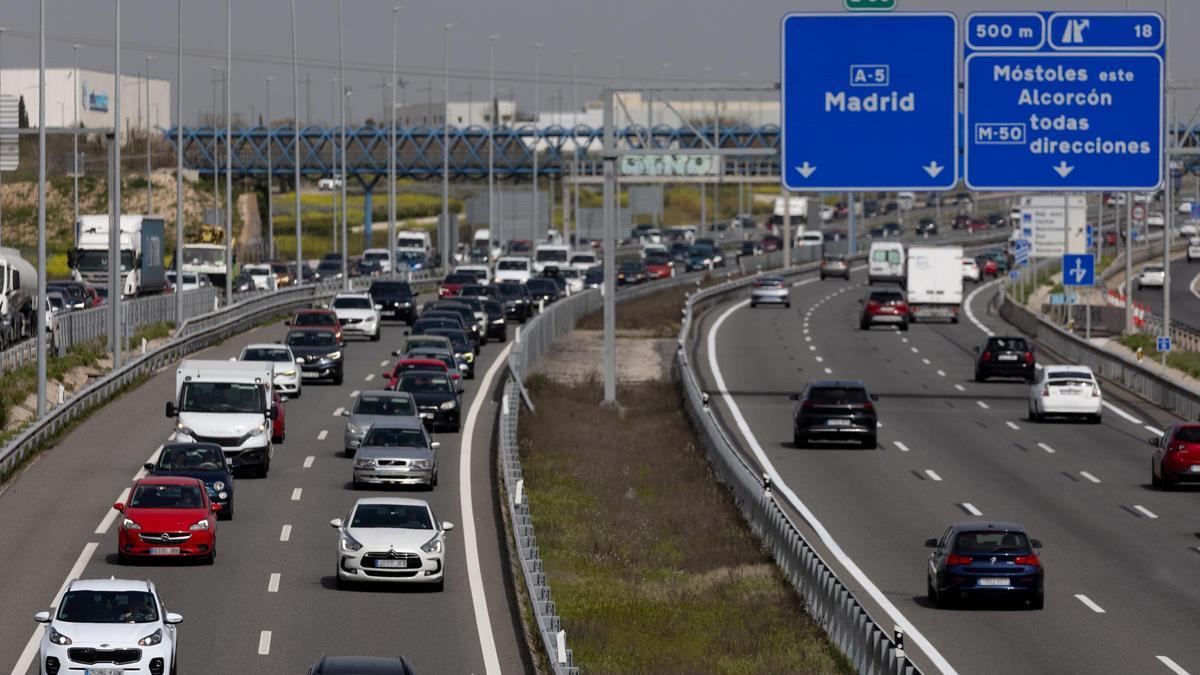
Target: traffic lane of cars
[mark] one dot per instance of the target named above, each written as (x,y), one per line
(1185,306)
(239,612)
(774,423)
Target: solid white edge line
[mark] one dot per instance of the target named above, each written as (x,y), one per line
(1012,425)
(264,643)
(933,475)
(483,622)
(1089,604)
(1144,511)
(31,648)
(296,492)
(970,508)
(273,583)
(1045,447)
(971,314)
(1170,664)
(915,636)
(1089,476)
(285,533)
(1120,413)
(109,517)
(308,461)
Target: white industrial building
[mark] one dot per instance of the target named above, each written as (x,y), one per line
(91,102)
(461,113)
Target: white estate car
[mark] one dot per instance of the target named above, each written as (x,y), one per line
(584,260)
(286,374)
(108,627)
(391,540)
(358,314)
(1152,276)
(512,268)
(1065,390)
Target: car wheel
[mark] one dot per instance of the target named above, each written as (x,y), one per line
(348,452)
(226,512)
(174,663)
(342,584)
(263,470)
(904,327)
(337,380)
(456,427)
(279,438)
(797,440)
(297,394)
(210,558)
(433,483)
(787,305)
(123,559)
(1095,419)
(753,304)
(980,377)
(440,585)
(863,325)
(375,337)
(1155,481)
(1033,414)
(954,319)
(1038,601)
(931,593)
(870,443)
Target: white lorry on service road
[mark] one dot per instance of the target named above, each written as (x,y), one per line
(140,258)
(227,403)
(18,297)
(935,284)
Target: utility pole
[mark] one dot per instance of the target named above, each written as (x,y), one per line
(574,150)
(334,100)
(270,179)
(216,149)
(447,243)
(492,114)
(610,253)
(296,144)
(75,131)
(703,185)
(149,184)
(41,214)
(228,153)
(345,177)
(179,224)
(3,29)
(115,287)
(391,247)
(537,49)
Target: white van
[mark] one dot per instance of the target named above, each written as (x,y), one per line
(556,255)
(885,262)
(513,268)
(263,276)
(809,239)
(414,240)
(227,403)
(381,256)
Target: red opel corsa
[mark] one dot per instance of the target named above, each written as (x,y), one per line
(167,517)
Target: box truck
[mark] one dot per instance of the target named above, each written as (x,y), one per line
(935,284)
(141,253)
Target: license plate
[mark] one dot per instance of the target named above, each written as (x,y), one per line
(837,423)
(426,416)
(1070,392)
(993,581)
(393,564)
(1007,357)
(104,671)
(309,374)
(165,550)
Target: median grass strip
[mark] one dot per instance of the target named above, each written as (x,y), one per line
(1187,362)
(658,315)
(651,566)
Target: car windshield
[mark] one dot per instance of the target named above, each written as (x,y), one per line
(542,286)
(265,354)
(221,397)
(424,325)
(315,320)
(425,382)
(311,338)
(510,290)
(1007,344)
(584,258)
(884,297)
(202,256)
(512,265)
(391,288)
(1152,269)
(652,259)
(97,261)
(108,607)
(166,497)
(837,395)
(410,242)
(352,303)
(395,438)
(1070,375)
(886,256)
(550,255)
(457,337)
(330,266)
(191,459)
(985,542)
(403,516)
(375,255)
(384,405)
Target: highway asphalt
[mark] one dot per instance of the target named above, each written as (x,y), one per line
(1120,558)
(1185,304)
(269,603)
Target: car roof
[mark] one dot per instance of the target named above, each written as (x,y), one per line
(984,525)
(266,345)
(314,311)
(353,295)
(111,584)
(838,383)
(166,480)
(405,501)
(187,446)
(1060,369)
(363,665)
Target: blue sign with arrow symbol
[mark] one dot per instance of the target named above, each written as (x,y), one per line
(1079,269)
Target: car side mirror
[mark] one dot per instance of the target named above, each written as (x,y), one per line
(42,617)
(170,409)
(435,445)
(874,397)
(119,506)
(299,360)
(447,525)
(931,543)
(216,508)
(287,323)
(1153,440)
(345,413)
(1036,543)
(793,397)
(336,522)
(148,467)
(173,618)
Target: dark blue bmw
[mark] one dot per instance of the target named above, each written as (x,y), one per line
(984,560)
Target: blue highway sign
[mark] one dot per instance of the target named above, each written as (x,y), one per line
(1079,269)
(1021,251)
(863,107)
(1163,343)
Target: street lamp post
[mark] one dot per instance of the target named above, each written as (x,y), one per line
(115,287)
(3,30)
(447,237)
(342,115)
(537,50)
(149,184)
(75,132)
(41,214)
(574,148)
(296,148)
(703,186)
(228,152)
(391,247)
(178,257)
(216,149)
(492,110)
(270,178)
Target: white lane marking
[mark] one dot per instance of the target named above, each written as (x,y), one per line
(1144,511)
(323,435)
(820,359)
(296,494)
(915,350)
(812,348)
(338,412)
(31,648)
(960,387)
(1120,413)
(1088,603)
(1046,447)
(1012,425)
(483,623)
(109,517)
(370,376)
(355,393)
(308,461)
(933,475)
(970,508)
(264,643)
(153,459)
(273,583)
(808,338)
(1089,476)
(805,331)
(828,371)
(903,339)
(981,404)
(971,314)
(1166,660)
(285,533)
(926,361)
(941,373)
(1153,430)
(878,425)
(384,363)
(915,636)
(902,447)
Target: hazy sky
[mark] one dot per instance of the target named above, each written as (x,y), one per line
(730,37)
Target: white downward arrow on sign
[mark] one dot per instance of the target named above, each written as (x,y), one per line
(806,170)
(933,169)
(1063,169)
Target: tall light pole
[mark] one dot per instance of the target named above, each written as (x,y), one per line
(345,177)
(179,224)
(270,178)
(3,30)
(391,247)
(493,109)
(41,214)
(149,185)
(575,147)
(115,287)
(335,99)
(537,51)
(216,148)
(228,152)
(296,147)
(75,131)
(703,186)
(447,238)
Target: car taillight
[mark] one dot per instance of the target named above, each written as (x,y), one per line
(1028,357)
(872,306)
(955,559)
(901,307)
(1045,391)
(1095,391)
(987,356)
(1031,560)
(806,404)
(868,406)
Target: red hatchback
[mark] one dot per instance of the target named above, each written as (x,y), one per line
(658,267)
(317,318)
(1176,456)
(453,283)
(167,517)
(404,365)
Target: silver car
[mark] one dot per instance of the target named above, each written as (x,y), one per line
(375,407)
(770,290)
(397,452)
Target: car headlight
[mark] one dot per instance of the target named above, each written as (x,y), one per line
(349,543)
(130,525)
(364,462)
(449,405)
(433,545)
(151,639)
(421,463)
(256,431)
(58,638)
(289,373)
(353,430)
(199,526)
(223,495)
(333,356)
(219,485)
(500,320)
(181,429)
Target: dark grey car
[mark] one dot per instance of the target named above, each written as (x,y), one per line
(398,451)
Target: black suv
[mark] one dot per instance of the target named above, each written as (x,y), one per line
(396,298)
(517,301)
(926,226)
(1004,357)
(834,410)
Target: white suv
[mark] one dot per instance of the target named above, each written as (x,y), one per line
(513,269)
(108,627)
(358,314)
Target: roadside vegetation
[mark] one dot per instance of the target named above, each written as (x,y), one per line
(1187,362)
(19,384)
(658,315)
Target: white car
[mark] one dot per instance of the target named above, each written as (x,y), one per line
(970,270)
(391,540)
(108,627)
(1156,219)
(1065,390)
(1193,249)
(513,268)
(381,256)
(1152,276)
(1185,206)
(482,273)
(574,279)
(655,249)
(331,183)
(1189,230)
(550,255)
(358,314)
(584,261)
(191,281)
(263,276)
(286,375)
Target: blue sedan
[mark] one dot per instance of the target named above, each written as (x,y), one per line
(985,561)
(205,461)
